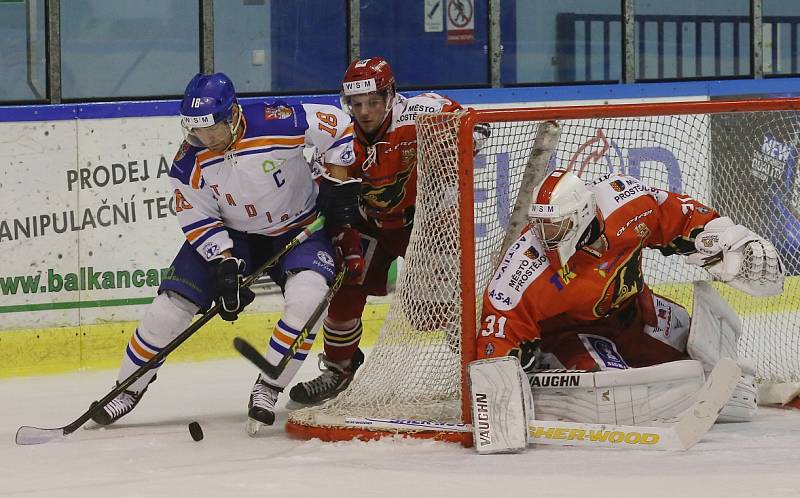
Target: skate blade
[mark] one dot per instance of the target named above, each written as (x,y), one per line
(252,427)
(296,405)
(91,425)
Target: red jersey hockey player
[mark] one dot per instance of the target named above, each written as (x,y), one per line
(386,159)
(570,292)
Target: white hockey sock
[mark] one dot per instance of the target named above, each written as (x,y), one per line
(303,292)
(167,316)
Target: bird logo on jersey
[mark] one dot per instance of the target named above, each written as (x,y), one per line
(386,196)
(626,282)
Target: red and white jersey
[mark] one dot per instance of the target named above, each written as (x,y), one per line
(525,290)
(262,184)
(388,168)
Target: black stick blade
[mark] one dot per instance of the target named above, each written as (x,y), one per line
(252,354)
(34,435)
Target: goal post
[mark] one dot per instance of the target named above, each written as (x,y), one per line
(738,156)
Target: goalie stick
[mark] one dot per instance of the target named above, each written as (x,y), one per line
(35,435)
(679,433)
(274,371)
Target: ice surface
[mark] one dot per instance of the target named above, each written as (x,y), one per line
(150,452)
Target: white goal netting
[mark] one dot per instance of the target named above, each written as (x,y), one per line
(744,164)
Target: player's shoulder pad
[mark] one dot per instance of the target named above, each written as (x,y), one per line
(426,103)
(433,102)
(274,118)
(184,162)
(615,190)
(323,113)
(522,264)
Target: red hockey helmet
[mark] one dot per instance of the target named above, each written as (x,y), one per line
(365,76)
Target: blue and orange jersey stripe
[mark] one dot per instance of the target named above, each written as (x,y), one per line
(305,220)
(197,232)
(244,146)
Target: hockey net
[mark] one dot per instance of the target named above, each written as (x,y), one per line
(739,157)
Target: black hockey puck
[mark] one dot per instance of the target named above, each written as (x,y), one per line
(196,431)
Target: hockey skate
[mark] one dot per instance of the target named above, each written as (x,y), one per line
(334,379)
(261,408)
(119,406)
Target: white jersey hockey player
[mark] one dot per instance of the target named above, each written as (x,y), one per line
(243,190)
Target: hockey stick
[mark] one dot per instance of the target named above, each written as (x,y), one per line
(35,435)
(679,433)
(274,371)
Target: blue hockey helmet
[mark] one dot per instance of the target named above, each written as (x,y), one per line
(209,99)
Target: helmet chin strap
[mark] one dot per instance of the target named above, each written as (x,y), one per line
(234,127)
(592,233)
(588,237)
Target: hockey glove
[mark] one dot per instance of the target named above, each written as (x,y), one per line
(232,298)
(480,135)
(338,201)
(527,353)
(347,242)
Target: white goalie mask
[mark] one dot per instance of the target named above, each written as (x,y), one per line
(562,210)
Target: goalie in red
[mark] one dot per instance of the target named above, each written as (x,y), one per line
(570,294)
(385,166)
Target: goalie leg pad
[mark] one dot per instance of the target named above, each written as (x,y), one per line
(715,329)
(743,405)
(633,396)
(714,334)
(501,405)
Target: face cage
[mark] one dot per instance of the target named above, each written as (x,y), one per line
(388,94)
(233,127)
(566,233)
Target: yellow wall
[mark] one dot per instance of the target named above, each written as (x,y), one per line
(54,350)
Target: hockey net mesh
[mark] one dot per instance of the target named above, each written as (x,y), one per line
(741,163)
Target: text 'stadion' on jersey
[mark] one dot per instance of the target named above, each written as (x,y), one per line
(263,184)
(388,168)
(596,282)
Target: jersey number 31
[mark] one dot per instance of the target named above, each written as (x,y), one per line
(491,321)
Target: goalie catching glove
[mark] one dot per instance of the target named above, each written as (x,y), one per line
(232,298)
(735,255)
